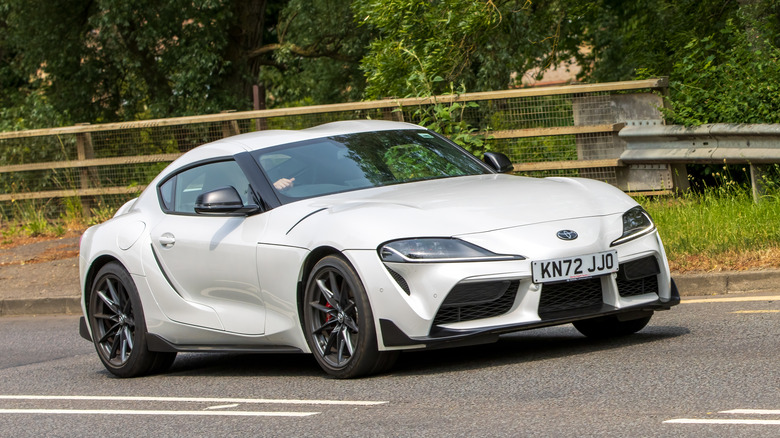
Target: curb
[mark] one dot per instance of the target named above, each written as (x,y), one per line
(689,285)
(722,283)
(40,306)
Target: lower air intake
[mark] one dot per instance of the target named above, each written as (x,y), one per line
(470,301)
(570,295)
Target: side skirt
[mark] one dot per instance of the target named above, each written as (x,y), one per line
(157,343)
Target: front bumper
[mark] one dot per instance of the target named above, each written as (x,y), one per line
(441,337)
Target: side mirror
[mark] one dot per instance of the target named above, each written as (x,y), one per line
(224,200)
(498,162)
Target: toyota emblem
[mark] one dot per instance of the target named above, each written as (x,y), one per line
(567,234)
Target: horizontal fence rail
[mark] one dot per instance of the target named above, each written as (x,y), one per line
(562,131)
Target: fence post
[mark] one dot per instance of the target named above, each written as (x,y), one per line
(229,127)
(258,103)
(84,151)
(757,182)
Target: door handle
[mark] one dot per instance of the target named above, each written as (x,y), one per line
(167,240)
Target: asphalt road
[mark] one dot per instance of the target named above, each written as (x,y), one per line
(705,368)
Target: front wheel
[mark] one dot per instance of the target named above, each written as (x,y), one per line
(338,322)
(610,326)
(118,328)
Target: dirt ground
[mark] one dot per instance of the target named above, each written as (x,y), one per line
(40,267)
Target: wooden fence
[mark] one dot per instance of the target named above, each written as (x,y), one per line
(564,130)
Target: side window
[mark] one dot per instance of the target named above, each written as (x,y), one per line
(178,194)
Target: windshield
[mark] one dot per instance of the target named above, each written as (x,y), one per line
(355,161)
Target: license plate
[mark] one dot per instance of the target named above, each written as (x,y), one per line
(574,268)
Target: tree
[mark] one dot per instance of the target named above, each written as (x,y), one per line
(423,47)
(108,60)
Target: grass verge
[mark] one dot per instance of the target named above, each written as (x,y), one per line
(720,229)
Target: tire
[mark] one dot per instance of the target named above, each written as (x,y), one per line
(338,322)
(610,326)
(118,327)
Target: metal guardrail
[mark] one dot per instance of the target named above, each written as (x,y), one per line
(719,143)
(715,143)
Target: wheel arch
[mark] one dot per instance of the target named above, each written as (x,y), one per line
(308,265)
(94,268)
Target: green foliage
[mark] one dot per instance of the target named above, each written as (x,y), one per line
(738,82)
(111,60)
(421,46)
(31,214)
(317,57)
(448,120)
(624,37)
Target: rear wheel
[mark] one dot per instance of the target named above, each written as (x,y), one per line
(610,326)
(118,328)
(338,322)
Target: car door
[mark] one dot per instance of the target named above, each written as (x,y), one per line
(212,259)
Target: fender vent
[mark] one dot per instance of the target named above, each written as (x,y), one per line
(400,280)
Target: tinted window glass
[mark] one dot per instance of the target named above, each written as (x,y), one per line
(372,159)
(166,194)
(179,193)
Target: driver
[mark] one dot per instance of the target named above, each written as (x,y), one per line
(284,183)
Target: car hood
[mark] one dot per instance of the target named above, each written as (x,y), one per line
(441,208)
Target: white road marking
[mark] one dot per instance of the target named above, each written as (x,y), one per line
(194,399)
(721,421)
(223,406)
(142,412)
(731,299)
(753,411)
(732,421)
(756,311)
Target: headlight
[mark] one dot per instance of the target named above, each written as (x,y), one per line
(431,249)
(636,223)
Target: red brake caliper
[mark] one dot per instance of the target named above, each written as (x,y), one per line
(328,317)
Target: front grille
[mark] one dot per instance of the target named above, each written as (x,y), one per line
(570,295)
(630,288)
(470,301)
(638,277)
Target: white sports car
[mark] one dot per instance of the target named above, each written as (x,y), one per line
(357,240)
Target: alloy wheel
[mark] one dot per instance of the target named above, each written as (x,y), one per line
(334,318)
(114,321)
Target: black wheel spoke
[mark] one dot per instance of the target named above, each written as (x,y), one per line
(110,332)
(327,293)
(113,318)
(110,304)
(114,296)
(335,289)
(114,347)
(129,336)
(347,337)
(321,329)
(332,338)
(340,349)
(324,309)
(351,324)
